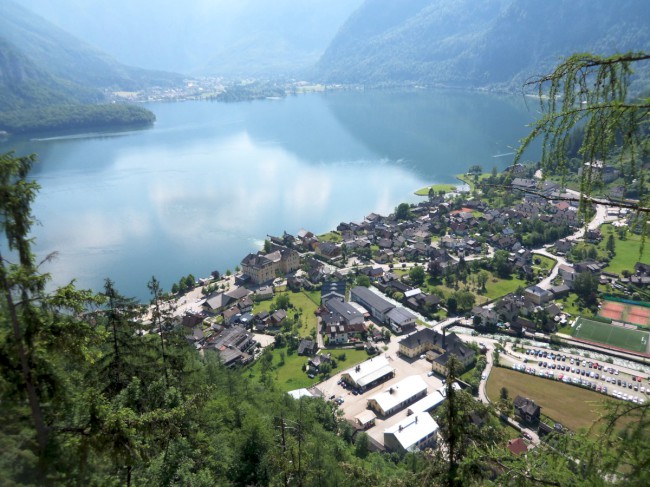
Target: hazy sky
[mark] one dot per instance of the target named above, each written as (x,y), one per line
(209,36)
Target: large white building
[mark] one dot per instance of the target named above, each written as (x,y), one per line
(413,433)
(369,373)
(398,396)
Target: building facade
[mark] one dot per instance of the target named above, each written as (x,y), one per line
(263,268)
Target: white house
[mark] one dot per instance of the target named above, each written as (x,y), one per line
(369,373)
(413,433)
(398,396)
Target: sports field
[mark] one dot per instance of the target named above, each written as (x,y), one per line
(626,337)
(630,313)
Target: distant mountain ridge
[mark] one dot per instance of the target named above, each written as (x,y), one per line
(229,38)
(464,43)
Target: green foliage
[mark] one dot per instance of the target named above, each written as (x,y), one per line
(74,117)
(403,212)
(500,263)
(585,285)
(362,280)
(184,284)
(282,301)
(417,275)
(464,300)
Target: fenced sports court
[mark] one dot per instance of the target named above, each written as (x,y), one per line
(626,311)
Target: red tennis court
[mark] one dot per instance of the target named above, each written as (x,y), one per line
(629,313)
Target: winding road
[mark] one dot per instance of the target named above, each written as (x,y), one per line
(599,218)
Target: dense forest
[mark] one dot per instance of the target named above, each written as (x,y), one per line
(58,118)
(92,394)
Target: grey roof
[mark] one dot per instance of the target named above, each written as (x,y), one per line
(367,296)
(424,335)
(238,293)
(217,301)
(538,291)
(345,310)
(400,315)
(526,405)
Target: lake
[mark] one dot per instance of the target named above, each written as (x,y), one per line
(205,185)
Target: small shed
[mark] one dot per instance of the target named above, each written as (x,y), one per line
(366,419)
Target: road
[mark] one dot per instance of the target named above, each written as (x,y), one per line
(547,282)
(482,392)
(599,218)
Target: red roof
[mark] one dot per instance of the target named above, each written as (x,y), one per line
(517,446)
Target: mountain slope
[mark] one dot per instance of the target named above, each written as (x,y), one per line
(25,85)
(49,80)
(468,43)
(66,57)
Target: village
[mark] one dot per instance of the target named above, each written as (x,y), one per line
(368,315)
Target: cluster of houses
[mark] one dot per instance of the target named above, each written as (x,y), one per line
(531,312)
(463,228)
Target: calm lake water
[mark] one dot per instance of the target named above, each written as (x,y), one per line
(209,181)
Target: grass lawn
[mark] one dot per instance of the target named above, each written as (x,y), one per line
(332,236)
(570,305)
(447,188)
(313,295)
(300,300)
(352,358)
(616,336)
(626,251)
(497,287)
(574,407)
(494,288)
(511,433)
(545,262)
(289,376)
(292,375)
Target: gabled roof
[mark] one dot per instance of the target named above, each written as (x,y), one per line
(238,293)
(401,316)
(400,392)
(412,429)
(374,300)
(306,345)
(370,370)
(526,405)
(343,309)
(218,301)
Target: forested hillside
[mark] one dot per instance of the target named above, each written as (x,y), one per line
(67,57)
(494,43)
(23,84)
(42,67)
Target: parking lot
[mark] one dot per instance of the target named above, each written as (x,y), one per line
(590,374)
(353,404)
